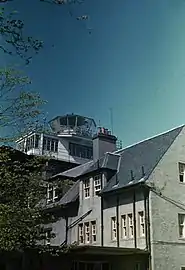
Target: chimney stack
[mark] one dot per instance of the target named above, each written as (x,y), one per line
(103,142)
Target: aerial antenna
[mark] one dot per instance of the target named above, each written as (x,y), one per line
(111,120)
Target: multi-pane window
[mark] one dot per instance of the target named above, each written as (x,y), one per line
(86,188)
(47,237)
(80,151)
(124,226)
(181,172)
(93,231)
(52,193)
(87,233)
(32,142)
(141,224)
(130,225)
(50,144)
(181,220)
(97,184)
(81,233)
(113,228)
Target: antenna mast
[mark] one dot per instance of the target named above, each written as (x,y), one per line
(111,120)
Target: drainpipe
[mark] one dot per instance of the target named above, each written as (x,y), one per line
(117,214)
(66,233)
(117,219)
(134,213)
(101,214)
(149,239)
(147,224)
(146,219)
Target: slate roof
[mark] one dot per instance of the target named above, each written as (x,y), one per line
(71,195)
(108,161)
(145,154)
(74,172)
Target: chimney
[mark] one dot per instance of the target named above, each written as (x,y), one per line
(103,142)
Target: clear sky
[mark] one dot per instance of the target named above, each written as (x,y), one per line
(133,62)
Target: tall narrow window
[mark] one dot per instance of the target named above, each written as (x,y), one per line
(141,224)
(81,233)
(87,233)
(37,138)
(113,228)
(52,193)
(124,226)
(130,224)
(181,172)
(48,237)
(97,184)
(86,188)
(49,193)
(181,218)
(93,230)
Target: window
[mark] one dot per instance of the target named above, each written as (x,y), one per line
(80,151)
(113,228)
(86,188)
(52,193)
(48,237)
(124,226)
(130,222)
(81,233)
(141,224)
(50,144)
(181,218)
(87,233)
(93,230)
(181,172)
(183,268)
(97,184)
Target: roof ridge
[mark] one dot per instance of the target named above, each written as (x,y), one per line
(147,139)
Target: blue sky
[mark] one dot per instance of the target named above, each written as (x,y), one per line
(133,62)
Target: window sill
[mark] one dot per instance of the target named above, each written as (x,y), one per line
(181,238)
(182,183)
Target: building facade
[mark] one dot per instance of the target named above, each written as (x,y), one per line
(131,199)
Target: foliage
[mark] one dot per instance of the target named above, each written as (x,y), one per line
(21,190)
(13,40)
(19,108)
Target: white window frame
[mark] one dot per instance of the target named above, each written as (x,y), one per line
(93,231)
(130,225)
(48,237)
(124,229)
(53,189)
(81,233)
(113,228)
(181,172)
(86,188)
(87,232)
(141,223)
(181,225)
(97,184)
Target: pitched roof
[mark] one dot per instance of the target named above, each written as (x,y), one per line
(74,172)
(145,154)
(108,161)
(71,195)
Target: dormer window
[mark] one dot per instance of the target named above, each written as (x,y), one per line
(52,193)
(97,184)
(86,188)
